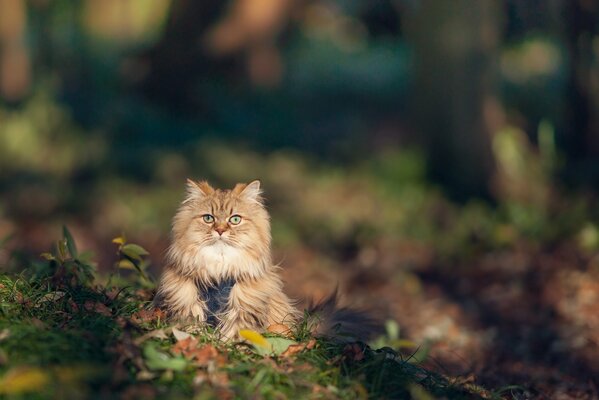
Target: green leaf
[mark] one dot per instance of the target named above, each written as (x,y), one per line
(261,345)
(62,249)
(70,241)
(279,345)
(134,251)
(266,346)
(158,360)
(126,264)
(392,329)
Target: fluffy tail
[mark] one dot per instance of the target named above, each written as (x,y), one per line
(327,319)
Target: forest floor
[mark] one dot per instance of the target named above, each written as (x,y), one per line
(498,323)
(64,333)
(489,330)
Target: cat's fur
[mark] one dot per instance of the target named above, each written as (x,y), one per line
(204,256)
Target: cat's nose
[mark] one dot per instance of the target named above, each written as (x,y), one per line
(220,230)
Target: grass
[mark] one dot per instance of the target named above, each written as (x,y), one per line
(65,335)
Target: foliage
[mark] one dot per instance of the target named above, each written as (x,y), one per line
(64,336)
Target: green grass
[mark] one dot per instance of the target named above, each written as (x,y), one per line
(63,335)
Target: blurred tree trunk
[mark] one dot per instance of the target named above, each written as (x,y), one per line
(580,137)
(455,45)
(178,60)
(15,63)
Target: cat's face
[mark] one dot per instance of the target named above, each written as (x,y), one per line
(221,233)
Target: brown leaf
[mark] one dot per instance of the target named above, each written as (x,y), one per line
(145,316)
(185,347)
(74,306)
(205,354)
(98,307)
(202,356)
(293,349)
(311,344)
(353,352)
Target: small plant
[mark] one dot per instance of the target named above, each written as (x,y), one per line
(132,257)
(66,266)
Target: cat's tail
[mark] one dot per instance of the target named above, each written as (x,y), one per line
(326,318)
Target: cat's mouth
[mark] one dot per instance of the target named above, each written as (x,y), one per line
(222,241)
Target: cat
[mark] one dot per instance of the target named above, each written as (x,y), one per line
(219,269)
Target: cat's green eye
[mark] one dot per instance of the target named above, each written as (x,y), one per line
(208,218)
(235,219)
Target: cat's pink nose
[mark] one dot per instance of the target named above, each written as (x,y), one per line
(220,230)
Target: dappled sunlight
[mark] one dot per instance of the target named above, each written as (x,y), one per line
(437,163)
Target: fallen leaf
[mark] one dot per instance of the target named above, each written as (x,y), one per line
(22,380)
(98,307)
(297,348)
(353,352)
(260,343)
(180,335)
(145,316)
(266,346)
(53,296)
(280,345)
(293,349)
(157,360)
(185,346)
(208,354)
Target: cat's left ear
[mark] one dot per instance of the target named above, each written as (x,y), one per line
(252,191)
(198,189)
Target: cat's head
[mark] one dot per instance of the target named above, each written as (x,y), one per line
(221,233)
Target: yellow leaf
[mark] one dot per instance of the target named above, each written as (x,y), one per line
(255,338)
(23,379)
(126,264)
(47,256)
(119,240)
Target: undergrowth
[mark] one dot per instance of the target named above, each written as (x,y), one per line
(66,332)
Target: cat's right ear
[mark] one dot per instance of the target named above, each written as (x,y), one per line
(197,190)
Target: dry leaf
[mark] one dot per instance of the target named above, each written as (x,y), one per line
(202,356)
(185,347)
(98,307)
(145,316)
(180,335)
(22,380)
(293,349)
(353,352)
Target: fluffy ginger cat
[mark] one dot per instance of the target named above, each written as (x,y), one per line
(219,269)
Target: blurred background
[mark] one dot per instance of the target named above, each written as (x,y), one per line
(438,159)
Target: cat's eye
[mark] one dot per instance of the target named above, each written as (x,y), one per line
(208,218)
(235,219)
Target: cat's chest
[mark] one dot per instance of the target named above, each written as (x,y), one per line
(216,298)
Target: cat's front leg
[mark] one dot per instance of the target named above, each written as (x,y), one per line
(247,308)
(179,296)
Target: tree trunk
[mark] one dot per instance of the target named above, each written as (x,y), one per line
(455,46)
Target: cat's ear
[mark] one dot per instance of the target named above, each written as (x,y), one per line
(197,190)
(251,191)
